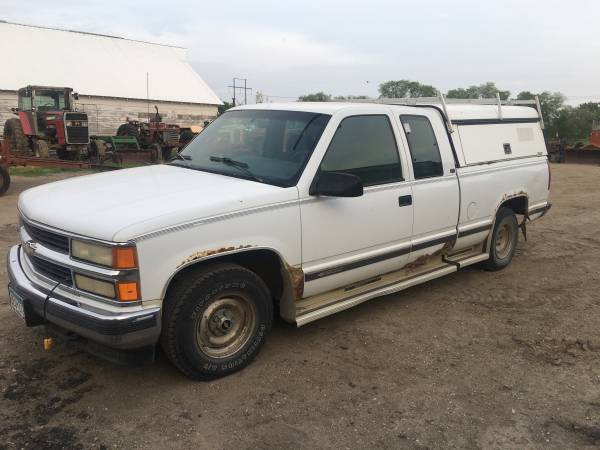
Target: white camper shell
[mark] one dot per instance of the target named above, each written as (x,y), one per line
(482,137)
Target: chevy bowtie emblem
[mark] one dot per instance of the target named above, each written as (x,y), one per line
(30,247)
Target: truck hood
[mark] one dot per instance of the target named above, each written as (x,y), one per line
(123,204)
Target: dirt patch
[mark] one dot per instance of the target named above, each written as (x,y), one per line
(509,359)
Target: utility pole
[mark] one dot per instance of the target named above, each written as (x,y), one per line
(245,88)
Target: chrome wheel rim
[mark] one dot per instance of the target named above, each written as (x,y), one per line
(504,241)
(226,325)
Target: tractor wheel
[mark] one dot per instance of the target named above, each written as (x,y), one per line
(128,129)
(41,148)
(14,137)
(4,180)
(98,149)
(166,153)
(185,137)
(156,154)
(62,154)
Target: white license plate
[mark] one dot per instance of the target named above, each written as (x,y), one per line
(16,303)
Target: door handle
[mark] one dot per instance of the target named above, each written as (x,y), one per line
(405,200)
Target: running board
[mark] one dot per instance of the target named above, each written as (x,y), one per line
(473,260)
(333,308)
(465,259)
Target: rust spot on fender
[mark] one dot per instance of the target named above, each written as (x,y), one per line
(297,279)
(204,253)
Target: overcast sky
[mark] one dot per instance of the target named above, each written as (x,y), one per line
(287,48)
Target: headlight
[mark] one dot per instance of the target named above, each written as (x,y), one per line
(99,287)
(77,123)
(122,257)
(95,253)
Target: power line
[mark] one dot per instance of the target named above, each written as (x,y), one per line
(244,87)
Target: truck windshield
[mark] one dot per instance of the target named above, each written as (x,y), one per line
(264,146)
(49,99)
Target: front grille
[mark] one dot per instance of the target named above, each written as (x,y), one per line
(51,270)
(78,135)
(48,239)
(171,135)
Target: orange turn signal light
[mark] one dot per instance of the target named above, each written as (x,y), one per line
(128,291)
(124,258)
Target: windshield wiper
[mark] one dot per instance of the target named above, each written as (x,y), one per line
(241,166)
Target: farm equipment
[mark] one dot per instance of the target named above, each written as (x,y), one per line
(122,149)
(556,150)
(589,153)
(47,124)
(4,174)
(154,134)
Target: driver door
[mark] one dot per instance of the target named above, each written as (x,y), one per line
(347,240)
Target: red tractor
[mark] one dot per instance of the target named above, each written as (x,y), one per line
(154,134)
(46,123)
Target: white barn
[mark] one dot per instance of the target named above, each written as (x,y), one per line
(115,77)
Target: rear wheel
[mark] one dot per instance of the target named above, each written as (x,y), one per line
(128,129)
(14,138)
(504,240)
(4,180)
(216,320)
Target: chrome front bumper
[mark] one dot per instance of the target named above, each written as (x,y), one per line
(123,330)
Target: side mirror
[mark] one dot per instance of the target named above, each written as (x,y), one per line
(75,96)
(337,184)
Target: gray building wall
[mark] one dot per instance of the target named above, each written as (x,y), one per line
(106,114)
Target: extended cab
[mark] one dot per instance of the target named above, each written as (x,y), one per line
(304,209)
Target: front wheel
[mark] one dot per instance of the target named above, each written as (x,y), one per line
(216,320)
(504,240)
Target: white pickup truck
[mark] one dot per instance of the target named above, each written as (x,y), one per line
(304,209)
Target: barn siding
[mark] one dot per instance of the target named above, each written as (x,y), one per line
(106,114)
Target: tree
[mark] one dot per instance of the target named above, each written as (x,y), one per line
(224,107)
(351,97)
(406,88)
(575,123)
(316,97)
(485,90)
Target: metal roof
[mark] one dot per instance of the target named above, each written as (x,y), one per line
(98,65)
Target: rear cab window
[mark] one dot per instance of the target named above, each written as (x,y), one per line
(365,146)
(423,146)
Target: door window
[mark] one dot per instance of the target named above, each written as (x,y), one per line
(423,146)
(364,146)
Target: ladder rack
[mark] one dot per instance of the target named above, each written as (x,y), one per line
(442,100)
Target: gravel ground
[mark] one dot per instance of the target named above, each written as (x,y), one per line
(473,360)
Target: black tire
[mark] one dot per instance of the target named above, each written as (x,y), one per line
(63,154)
(4,180)
(504,240)
(14,138)
(201,307)
(128,129)
(185,137)
(165,153)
